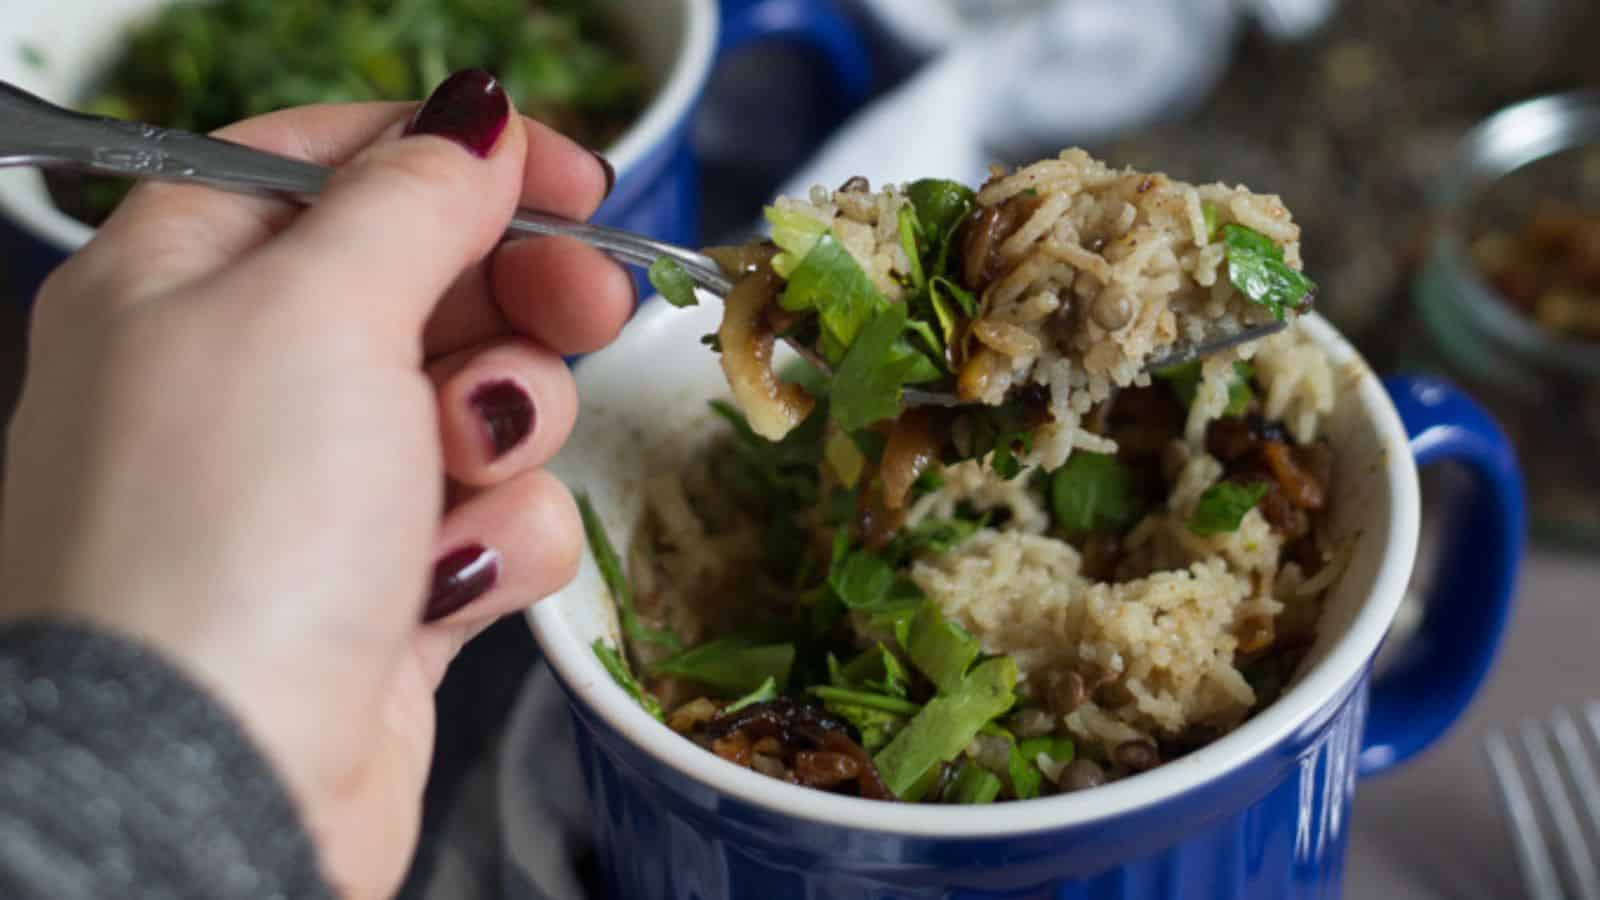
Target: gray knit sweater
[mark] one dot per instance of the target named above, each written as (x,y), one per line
(120,778)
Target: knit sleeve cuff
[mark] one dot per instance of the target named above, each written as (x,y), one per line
(120,777)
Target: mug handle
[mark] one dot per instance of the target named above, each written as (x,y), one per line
(816,24)
(1466,611)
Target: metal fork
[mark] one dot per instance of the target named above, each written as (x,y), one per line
(1570,793)
(35,132)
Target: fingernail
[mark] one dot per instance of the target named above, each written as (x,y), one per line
(469,108)
(461,577)
(611,172)
(507,413)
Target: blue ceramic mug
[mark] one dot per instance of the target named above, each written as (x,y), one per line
(657,189)
(1263,812)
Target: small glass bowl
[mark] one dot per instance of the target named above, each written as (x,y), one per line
(1543,387)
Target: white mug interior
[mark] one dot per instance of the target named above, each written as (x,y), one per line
(75,40)
(644,407)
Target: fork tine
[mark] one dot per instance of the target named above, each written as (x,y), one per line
(1538,872)
(1581,767)
(1591,712)
(1569,831)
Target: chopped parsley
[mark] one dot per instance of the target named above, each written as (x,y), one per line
(1256,268)
(617,667)
(605,556)
(672,282)
(1094,492)
(1223,506)
(732,666)
(1185,382)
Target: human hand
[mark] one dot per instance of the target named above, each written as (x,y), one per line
(298,450)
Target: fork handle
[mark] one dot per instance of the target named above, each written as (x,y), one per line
(34,132)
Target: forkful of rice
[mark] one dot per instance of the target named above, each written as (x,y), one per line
(955,324)
(971,322)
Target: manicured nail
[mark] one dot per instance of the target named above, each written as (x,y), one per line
(611,172)
(507,413)
(461,577)
(469,108)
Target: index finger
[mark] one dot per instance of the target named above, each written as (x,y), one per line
(172,234)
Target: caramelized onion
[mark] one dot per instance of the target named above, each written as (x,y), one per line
(773,408)
(979,372)
(800,729)
(876,522)
(744,259)
(978,240)
(913,445)
(1297,484)
(1005,337)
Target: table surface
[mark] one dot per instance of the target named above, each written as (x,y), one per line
(1433,828)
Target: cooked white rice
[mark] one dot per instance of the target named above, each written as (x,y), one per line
(1163,638)
(1165,635)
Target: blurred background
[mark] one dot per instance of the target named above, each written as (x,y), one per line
(1439,242)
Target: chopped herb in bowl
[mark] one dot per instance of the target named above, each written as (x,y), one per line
(201,65)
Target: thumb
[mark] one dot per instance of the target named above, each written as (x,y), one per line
(398,224)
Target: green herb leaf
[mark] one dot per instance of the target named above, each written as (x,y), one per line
(780,475)
(925,786)
(941,206)
(830,282)
(939,648)
(946,724)
(875,726)
(865,582)
(935,345)
(767,691)
(907,223)
(1058,750)
(965,299)
(1208,211)
(1094,492)
(1185,382)
(1223,506)
(973,784)
(995,432)
(947,299)
(862,580)
(731,665)
(844,459)
(1256,268)
(671,280)
(618,669)
(605,556)
(795,233)
(1024,774)
(866,386)
(874,669)
(930,536)
(882,702)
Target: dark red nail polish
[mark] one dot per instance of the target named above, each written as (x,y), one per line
(461,577)
(507,413)
(611,172)
(469,108)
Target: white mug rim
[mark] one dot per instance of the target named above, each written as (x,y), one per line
(26,204)
(588,683)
